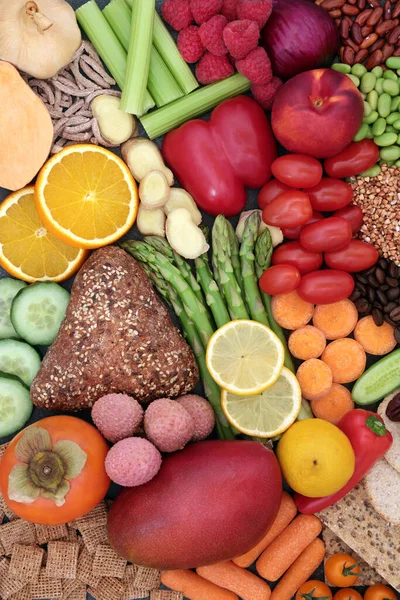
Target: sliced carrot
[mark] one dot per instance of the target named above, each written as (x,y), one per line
(300,571)
(336,320)
(287,512)
(334,405)
(375,340)
(284,550)
(290,311)
(307,342)
(195,587)
(315,378)
(243,583)
(346,359)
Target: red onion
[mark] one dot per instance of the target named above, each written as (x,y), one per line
(299,36)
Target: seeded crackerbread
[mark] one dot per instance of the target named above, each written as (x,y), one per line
(117,336)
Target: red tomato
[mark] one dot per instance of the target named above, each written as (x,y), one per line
(353,214)
(324,287)
(294,254)
(355,158)
(280,279)
(293,233)
(289,209)
(329,194)
(354,257)
(328,234)
(297,170)
(271,190)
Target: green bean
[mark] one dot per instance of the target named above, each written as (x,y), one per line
(372,99)
(372,172)
(341,67)
(378,85)
(386,139)
(394,104)
(378,127)
(393,62)
(390,153)
(384,105)
(358,70)
(369,135)
(362,132)
(394,116)
(354,79)
(372,117)
(367,109)
(377,71)
(367,83)
(390,87)
(390,129)
(396,125)
(390,75)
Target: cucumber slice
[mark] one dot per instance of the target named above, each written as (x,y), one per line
(8,289)
(37,312)
(15,404)
(19,359)
(379,380)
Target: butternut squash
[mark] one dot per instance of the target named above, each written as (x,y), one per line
(26,130)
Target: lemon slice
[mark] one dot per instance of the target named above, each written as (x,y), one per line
(266,414)
(244,357)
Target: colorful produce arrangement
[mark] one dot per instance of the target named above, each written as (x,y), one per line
(287,348)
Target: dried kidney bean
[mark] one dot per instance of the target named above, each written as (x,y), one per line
(344,29)
(356,33)
(375,16)
(393,35)
(361,56)
(377,46)
(347,9)
(385,26)
(387,10)
(374,60)
(348,55)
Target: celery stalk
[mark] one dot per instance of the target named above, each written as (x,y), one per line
(139,53)
(99,32)
(195,104)
(161,84)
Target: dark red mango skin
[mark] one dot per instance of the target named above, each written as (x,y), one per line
(210,502)
(214,161)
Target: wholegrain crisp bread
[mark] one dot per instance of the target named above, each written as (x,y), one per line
(356,522)
(46,587)
(16,532)
(9,585)
(165,595)
(382,484)
(107,563)
(48,533)
(24,594)
(147,578)
(73,590)
(62,560)
(25,562)
(97,516)
(93,537)
(84,572)
(109,588)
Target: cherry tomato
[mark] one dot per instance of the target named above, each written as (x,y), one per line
(289,209)
(354,257)
(330,194)
(313,590)
(328,234)
(342,570)
(380,592)
(271,190)
(293,233)
(324,287)
(355,158)
(347,594)
(294,254)
(297,170)
(280,279)
(353,214)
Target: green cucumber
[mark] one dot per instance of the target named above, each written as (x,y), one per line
(379,380)
(9,288)
(38,310)
(15,404)
(19,359)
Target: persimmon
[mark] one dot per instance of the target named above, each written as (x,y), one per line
(342,570)
(314,590)
(53,471)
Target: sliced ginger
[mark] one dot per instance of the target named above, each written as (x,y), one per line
(142,155)
(179,198)
(115,125)
(151,222)
(184,236)
(154,190)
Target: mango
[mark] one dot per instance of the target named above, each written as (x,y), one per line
(209,502)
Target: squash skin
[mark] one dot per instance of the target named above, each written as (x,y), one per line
(209,502)
(26,130)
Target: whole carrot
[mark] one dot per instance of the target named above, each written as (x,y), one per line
(302,568)
(284,550)
(195,587)
(243,583)
(287,512)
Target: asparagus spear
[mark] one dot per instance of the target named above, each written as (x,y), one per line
(233,251)
(247,262)
(224,269)
(211,291)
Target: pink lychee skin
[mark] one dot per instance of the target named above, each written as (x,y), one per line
(202,414)
(168,425)
(117,416)
(132,461)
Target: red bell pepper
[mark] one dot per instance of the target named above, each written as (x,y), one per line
(370,441)
(214,161)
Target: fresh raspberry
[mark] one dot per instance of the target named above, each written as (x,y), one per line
(229,9)
(211,35)
(256,10)
(241,37)
(213,68)
(265,94)
(203,10)
(189,44)
(177,13)
(256,67)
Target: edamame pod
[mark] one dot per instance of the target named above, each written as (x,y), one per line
(386,139)
(378,127)
(372,99)
(362,132)
(390,129)
(390,119)
(354,79)
(372,172)
(367,83)
(390,153)
(390,87)
(384,103)
(368,109)
(377,71)
(378,85)
(341,67)
(394,105)
(372,117)
(396,125)
(358,70)
(390,75)
(393,62)
(369,135)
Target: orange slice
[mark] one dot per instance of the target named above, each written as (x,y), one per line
(27,250)
(86,196)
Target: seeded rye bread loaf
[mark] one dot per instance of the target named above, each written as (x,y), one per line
(117,336)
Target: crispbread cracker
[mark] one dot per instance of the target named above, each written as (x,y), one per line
(48,533)
(62,560)
(334,545)
(16,532)
(107,563)
(393,454)
(84,570)
(165,595)
(9,585)
(97,516)
(24,594)
(356,522)
(382,484)
(73,590)
(109,588)
(94,536)
(26,562)
(147,578)
(45,587)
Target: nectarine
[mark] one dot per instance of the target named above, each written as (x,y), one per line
(317,113)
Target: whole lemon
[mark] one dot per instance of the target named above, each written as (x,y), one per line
(316,458)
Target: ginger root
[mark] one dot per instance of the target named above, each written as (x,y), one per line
(115,125)
(183,234)
(142,155)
